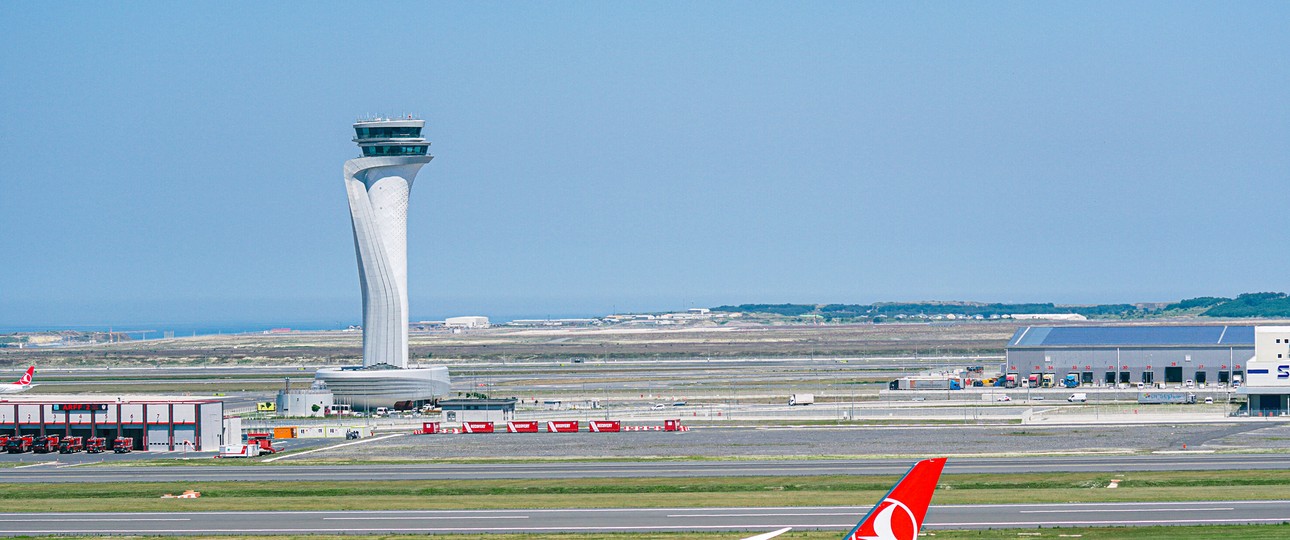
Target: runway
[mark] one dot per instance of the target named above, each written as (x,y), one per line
(637,519)
(466,471)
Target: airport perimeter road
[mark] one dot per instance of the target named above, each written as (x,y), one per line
(636,519)
(460,471)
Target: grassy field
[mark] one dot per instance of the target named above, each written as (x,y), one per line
(637,492)
(696,341)
(1202,532)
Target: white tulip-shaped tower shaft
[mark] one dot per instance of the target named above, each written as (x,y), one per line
(378,185)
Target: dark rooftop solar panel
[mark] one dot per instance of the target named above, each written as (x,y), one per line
(1042,336)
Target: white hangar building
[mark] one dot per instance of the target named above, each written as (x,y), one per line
(155,423)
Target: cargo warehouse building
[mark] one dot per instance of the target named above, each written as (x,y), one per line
(155,423)
(1107,355)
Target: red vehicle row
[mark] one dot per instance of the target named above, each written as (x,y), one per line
(45,444)
(552,426)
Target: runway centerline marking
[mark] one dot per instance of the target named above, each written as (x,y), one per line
(385,518)
(764,514)
(95,519)
(1109,510)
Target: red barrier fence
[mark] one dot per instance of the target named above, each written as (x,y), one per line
(607,426)
(521,427)
(477,427)
(552,426)
(561,426)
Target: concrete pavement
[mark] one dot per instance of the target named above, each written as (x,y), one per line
(592,469)
(635,519)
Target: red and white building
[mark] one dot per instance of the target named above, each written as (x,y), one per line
(156,423)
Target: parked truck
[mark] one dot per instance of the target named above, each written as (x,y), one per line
(123,445)
(926,383)
(18,444)
(45,444)
(801,399)
(1148,398)
(95,445)
(262,440)
(71,445)
(1048,380)
(1071,381)
(239,450)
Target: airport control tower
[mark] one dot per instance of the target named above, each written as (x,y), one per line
(378,184)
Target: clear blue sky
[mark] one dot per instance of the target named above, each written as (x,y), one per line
(182,161)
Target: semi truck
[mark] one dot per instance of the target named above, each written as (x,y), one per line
(1150,398)
(926,383)
(801,399)
(1071,381)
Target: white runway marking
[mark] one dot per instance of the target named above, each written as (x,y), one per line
(94,519)
(360,441)
(385,518)
(776,514)
(1108,510)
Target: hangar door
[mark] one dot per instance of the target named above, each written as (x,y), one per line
(185,437)
(159,438)
(1173,374)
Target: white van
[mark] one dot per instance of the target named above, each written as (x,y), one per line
(1079,397)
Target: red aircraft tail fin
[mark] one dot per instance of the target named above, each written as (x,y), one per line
(899,515)
(26,378)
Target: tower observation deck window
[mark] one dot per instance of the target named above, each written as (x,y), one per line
(375,151)
(387,132)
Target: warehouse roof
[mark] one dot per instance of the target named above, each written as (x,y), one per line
(1132,336)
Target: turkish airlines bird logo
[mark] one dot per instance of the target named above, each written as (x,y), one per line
(892,520)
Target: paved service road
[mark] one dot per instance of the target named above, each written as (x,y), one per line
(634,519)
(454,471)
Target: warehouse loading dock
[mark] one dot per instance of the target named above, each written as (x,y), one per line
(1127,355)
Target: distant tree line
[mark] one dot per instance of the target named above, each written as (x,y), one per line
(1265,304)
(892,309)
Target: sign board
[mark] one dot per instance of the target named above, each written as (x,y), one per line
(266,406)
(80,407)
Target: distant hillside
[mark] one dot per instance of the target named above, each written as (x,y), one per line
(1267,304)
(1264,304)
